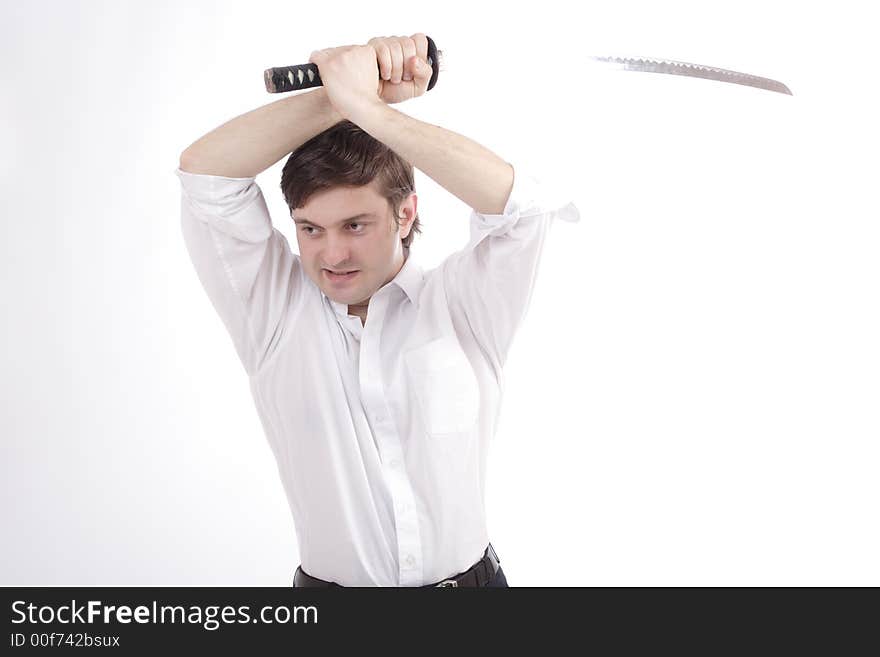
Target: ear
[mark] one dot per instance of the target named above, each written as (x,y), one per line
(408,210)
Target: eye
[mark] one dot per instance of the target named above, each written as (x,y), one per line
(308,230)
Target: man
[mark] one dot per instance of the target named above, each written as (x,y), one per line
(378,389)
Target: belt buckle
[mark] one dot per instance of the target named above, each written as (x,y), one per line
(448,582)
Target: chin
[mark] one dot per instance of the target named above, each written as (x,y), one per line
(347,296)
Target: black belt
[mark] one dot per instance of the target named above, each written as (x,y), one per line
(480,574)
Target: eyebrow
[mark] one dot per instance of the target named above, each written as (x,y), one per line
(362,215)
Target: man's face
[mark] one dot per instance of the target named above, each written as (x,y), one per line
(330,238)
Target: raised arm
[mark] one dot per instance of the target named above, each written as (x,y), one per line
(245,265)
(252,142)
(473,173)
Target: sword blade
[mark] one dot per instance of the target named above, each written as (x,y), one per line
(672,67)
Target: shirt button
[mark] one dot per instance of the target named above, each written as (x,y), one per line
(410,560)
(394,463)
(379,417)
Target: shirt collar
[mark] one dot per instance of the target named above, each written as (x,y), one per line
(410,279)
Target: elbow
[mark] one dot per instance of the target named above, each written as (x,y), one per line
(185,162)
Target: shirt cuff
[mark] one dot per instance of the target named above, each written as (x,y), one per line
(530,196)
(207,186)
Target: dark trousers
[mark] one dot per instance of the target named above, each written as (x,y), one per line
(499,581)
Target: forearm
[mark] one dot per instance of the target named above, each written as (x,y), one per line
(469,171)
(253,142)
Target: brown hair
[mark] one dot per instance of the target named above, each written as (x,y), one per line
(346,155)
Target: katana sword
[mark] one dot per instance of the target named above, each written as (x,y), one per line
(673,67)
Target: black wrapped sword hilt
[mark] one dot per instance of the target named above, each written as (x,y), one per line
(305,76)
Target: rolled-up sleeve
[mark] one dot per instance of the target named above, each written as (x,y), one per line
(244,264)
(492,278)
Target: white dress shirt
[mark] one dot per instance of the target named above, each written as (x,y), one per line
(380,431)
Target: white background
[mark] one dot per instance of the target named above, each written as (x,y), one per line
(692,399)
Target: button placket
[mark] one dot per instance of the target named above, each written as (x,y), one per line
(409,548)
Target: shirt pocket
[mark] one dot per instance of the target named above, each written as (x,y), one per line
(444,384)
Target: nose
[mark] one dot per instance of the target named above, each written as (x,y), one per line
(337,255)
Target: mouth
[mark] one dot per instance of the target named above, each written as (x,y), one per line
(341,276)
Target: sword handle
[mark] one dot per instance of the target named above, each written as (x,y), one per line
(305,76)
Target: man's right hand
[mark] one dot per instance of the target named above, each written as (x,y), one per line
(403,66)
